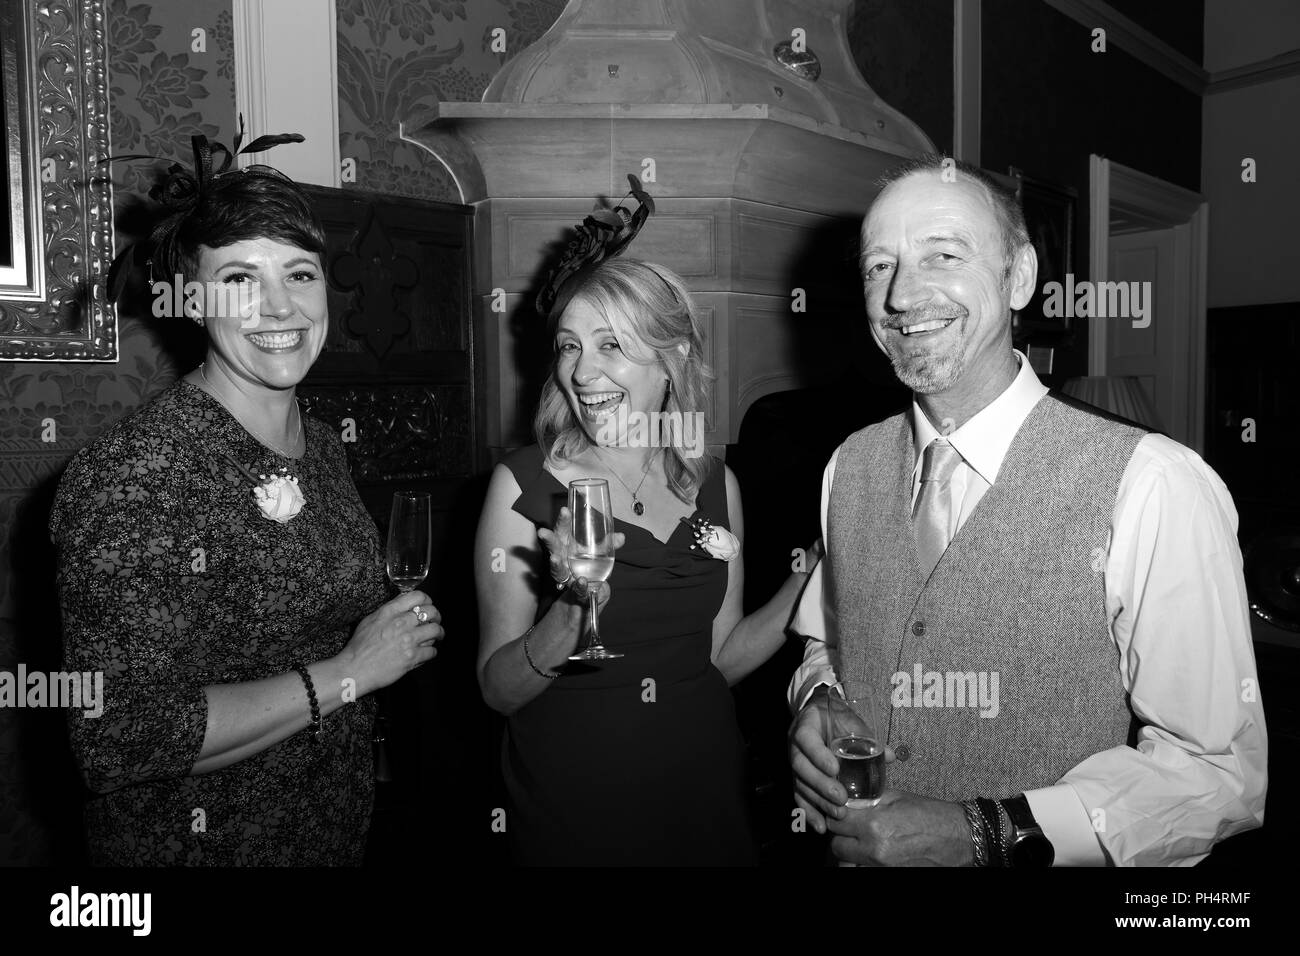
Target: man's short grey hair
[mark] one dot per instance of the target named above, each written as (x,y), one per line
(1011,218)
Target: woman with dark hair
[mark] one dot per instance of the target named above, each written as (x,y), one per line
(217,566)
(638,760)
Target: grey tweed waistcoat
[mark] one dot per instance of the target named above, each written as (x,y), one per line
(1017,600)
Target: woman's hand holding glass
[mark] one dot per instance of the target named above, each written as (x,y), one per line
(561,548)
(396,638)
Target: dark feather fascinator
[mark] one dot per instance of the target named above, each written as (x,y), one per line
(182,190)
(605,233)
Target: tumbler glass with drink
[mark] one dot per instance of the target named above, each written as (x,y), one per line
(853,736)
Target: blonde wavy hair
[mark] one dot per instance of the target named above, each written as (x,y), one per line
(651,315)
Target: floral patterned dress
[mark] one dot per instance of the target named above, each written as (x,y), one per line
(170,579)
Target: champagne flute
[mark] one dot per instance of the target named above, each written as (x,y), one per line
(593,552)
(409,534)
(853,735)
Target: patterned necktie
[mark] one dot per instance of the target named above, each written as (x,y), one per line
(933,512)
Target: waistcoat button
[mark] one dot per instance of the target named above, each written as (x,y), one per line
(918,628)
(902,751)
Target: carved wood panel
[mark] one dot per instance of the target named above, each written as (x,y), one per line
(397,374)
(402,432)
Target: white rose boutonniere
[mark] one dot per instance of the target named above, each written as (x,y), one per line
(279,497)
(714,541)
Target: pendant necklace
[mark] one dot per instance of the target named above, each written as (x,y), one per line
(256,434)
(637,507)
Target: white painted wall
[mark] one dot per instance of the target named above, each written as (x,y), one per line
(286,81)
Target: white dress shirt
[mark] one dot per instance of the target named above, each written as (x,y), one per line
(1176,599)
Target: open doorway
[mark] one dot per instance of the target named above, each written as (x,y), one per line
(1150,232)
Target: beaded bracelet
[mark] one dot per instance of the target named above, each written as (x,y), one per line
(529,657)
(978,835)
(992,814)
(315,724)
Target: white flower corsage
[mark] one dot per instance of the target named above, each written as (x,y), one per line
(716,542)
(279,497)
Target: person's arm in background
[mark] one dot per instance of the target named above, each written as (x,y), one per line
(1180,619)
(817,792)
(814,620)
(742,644)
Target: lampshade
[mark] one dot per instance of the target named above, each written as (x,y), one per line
(1121,395)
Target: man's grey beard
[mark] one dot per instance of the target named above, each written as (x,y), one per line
(926,373)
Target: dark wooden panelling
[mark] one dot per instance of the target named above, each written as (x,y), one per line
(404,432)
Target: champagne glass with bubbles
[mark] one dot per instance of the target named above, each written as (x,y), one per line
(409,534)
(592,556)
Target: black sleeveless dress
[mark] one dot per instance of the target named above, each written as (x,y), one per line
(637,761)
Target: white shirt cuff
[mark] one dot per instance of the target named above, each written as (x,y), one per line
(801,690)
(1066,824)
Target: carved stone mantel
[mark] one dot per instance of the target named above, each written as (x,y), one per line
(756,171)
(749,151)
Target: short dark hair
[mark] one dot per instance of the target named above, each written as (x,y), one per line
(1011,218)
(256,203)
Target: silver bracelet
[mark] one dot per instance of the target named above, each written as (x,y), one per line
(529,657)
(977,837)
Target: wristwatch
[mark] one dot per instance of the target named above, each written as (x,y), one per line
(1026,845)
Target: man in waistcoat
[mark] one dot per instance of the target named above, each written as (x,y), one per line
(1047,602)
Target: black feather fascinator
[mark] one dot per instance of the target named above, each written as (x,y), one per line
(603,234)
(181,191)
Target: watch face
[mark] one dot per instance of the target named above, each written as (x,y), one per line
(1033,851)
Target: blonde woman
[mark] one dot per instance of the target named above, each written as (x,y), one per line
(636,761)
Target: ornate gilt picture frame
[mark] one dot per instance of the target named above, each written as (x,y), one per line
(58,237)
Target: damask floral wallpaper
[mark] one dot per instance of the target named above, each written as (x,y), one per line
(396,56)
